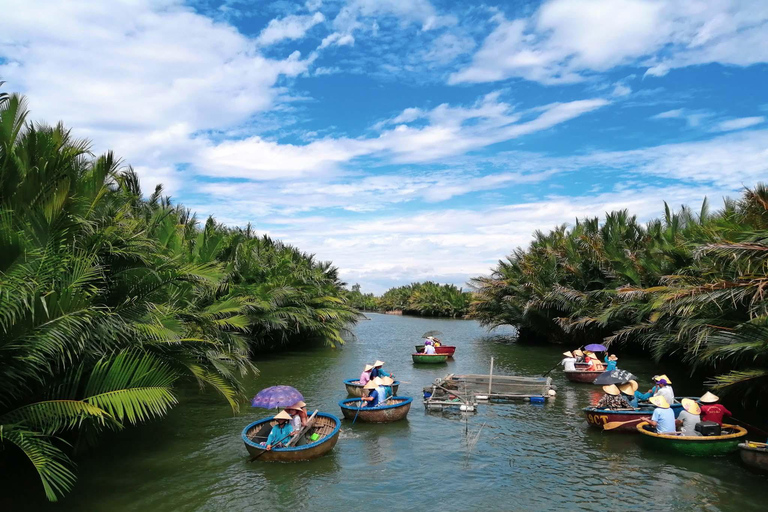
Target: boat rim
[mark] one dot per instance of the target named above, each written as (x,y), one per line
(618,411)
(429,355)
(740,432)
(759,449)
(404,400)
(247,441)
(351,382)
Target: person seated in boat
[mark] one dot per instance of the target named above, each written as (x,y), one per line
(373,397)
(598,365)
(298,415)
(386,383)
(711,410)
(594,364)
(628,393)
(366,375)
(381,389)
(665,389)
(688,417)
(280,432)
(612,399)
(579,355)
(378,372)
(436,342)
(569,362)
(643,397)
(663,417)
(429,350)
(611,362)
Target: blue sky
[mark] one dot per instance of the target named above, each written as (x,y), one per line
(407,140)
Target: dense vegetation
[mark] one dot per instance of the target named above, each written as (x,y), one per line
(690,284)
(427,299)
(108,301)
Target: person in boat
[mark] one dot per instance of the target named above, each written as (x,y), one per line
(663,417)
(429,349)
(665,389)
(629,393)
(579,355)
(373,397)
(280,432)
(594,364)
(611,362)
(366,375)
(381,389)
(378,372)
(436,342)
(612,399)
(298,415)
(711,410)
(386,383)
(569,362)
(689,417)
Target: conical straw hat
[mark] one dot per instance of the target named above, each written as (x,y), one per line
(578,352)
(567,354)
(368,368)
(709,398)
(370,385)
(298,405)
(378,363)
(664,377)
(691,406)
(282,415)
(659,401)
(387,381)
(629,388)
(611,389)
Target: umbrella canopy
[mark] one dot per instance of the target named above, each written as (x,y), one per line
(431,333)
(596,348)
(614,377)
(276,396)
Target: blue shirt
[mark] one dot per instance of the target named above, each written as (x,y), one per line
(378,372)
(665,419)
(611,366)
(376,398)
(631,399)
(279,433)
(643,396)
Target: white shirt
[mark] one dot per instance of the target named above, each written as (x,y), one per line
(296,423)
(429,349)
(569,363)
(667,393)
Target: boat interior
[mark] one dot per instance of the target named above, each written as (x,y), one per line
(321,425)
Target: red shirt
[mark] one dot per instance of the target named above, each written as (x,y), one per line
(714,412)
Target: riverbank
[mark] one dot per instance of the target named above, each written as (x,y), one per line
(194,460)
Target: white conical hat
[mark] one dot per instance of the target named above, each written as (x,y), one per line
(709,398)
(282,415)
(659,401)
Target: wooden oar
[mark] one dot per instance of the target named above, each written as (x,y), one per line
(358,410)
(265,450)
(616,424)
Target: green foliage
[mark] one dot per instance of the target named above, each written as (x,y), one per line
(108,301)
(688,284)
(427,299)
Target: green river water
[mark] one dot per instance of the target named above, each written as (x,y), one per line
(527,456)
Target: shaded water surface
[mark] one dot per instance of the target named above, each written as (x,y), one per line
(505,457)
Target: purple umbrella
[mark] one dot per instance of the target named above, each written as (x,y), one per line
(276,396)
(595,348)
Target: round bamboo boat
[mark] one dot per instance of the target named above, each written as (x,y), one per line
(694,446)
(582,376)
(599,417)
(394,409)
(754,455)
(429,358)
(354,388)
(327,426)
(448,350)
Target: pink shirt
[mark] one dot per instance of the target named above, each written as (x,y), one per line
(364,378)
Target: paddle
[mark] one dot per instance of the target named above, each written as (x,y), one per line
(550,371)
(265,450)
(616,424)
(358,410)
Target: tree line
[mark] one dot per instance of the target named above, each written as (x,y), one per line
(109,301)
(691,285)
(423,299)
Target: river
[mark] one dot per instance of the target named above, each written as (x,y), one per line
(526,457)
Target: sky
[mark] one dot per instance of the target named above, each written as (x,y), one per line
(406,140)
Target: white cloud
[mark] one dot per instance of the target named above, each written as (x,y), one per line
(669,114)
(290,27)
(693,118)
(621,90)
(566,39)
(337,39)
(738,124)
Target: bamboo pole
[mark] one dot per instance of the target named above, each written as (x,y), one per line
(490,378)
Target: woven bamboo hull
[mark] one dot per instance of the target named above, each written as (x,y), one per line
(355,389)
(429,358)
(396,410)
(582,376)
(694,446)
(327,425)
(448,350)
(754,456)
(599,417)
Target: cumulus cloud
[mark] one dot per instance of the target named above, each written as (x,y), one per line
(738,124)
(290,27)
(564,40)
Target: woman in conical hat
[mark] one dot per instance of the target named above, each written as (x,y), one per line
(612,399)
(628,390)
(366,375)
(298,415)
(663,417)
(280,432)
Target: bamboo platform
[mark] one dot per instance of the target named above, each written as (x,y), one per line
(491,387)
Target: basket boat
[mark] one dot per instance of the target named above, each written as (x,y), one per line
(599,417)
(582,376)
(694,446)
(327,426)
(354,388)
(394,409)
(754,455)
(448,350)
(429,358)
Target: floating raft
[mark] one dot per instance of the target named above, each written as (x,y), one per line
(325,425)
(694,446)
(436,397)
(754,455)
(498,387)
